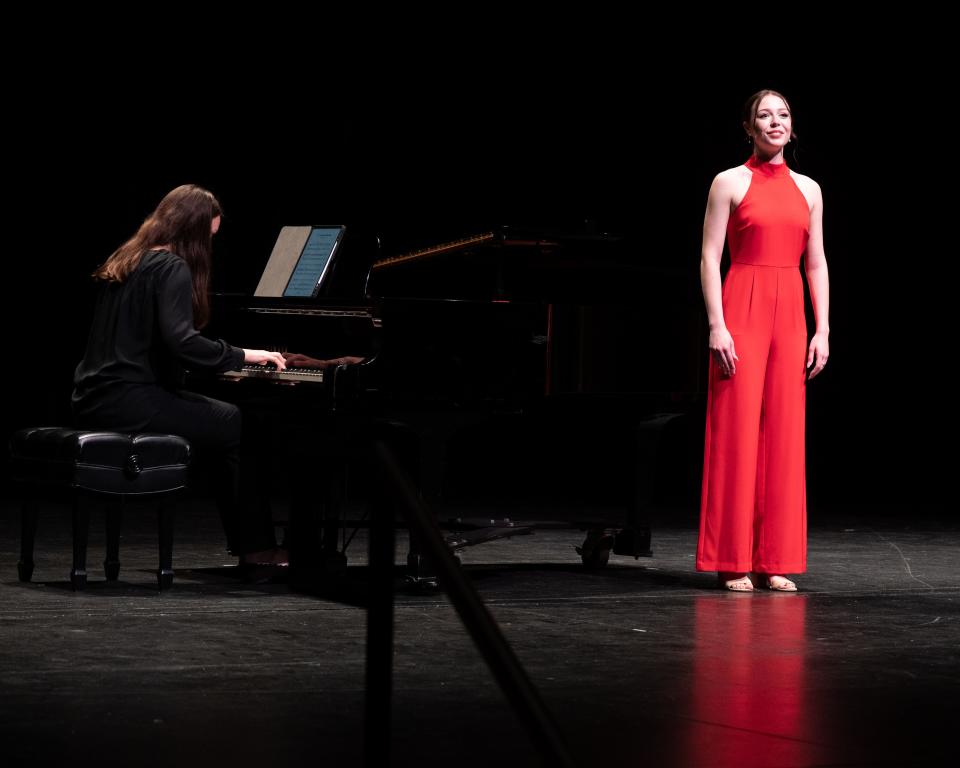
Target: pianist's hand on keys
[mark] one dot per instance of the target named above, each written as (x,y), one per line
(264,357)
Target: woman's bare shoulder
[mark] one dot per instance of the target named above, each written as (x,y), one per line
(810,188)
(805,180)
(737,172)
(732,176)
(731,183)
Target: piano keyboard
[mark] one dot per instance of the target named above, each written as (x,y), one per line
(311,375)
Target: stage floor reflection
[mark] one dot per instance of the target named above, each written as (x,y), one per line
(643,663)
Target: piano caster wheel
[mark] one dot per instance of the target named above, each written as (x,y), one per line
(595,552)
(164,579)
(78,579)
(421,585)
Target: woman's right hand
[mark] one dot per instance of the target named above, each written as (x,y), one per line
(721,348)
(264,357)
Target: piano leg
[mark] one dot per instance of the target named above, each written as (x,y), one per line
(316,520)
(634,539)
(333,559)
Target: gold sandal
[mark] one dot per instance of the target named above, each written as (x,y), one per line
(782,584)
(737,583)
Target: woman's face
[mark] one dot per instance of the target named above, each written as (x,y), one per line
(773,125)
(214,225)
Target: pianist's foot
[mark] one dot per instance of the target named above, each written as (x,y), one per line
(275,557)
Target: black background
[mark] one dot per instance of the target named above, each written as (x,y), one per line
(433,137)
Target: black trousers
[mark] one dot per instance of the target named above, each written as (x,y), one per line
(225,447)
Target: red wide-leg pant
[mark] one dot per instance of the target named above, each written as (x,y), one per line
(753,511)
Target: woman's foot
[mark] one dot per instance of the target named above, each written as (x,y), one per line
(780,584)
(275,557)
(736,582)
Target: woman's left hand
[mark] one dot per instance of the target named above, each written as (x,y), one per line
(819,353)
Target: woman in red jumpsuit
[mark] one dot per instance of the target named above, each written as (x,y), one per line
(753,514)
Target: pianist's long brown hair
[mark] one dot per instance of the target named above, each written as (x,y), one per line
(182,222)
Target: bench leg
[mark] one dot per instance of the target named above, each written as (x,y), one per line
(29,512)
(81,525)
(111,566)
(165,525)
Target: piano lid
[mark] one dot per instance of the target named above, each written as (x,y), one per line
(508,264)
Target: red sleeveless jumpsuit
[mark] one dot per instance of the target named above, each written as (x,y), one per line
(753,510)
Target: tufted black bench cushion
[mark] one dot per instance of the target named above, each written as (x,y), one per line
(108,465)
(103,462)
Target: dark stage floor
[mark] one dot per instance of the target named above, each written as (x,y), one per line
(642,663)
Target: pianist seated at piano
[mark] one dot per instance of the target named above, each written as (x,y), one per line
(152,302)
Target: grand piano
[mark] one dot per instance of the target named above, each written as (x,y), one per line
(503,357)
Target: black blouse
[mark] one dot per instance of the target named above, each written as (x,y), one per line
(143,338)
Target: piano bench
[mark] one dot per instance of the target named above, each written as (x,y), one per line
(85,468)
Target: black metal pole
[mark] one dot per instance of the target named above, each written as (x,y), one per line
(505,666)
(379,671)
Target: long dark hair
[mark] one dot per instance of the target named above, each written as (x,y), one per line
(182,222)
